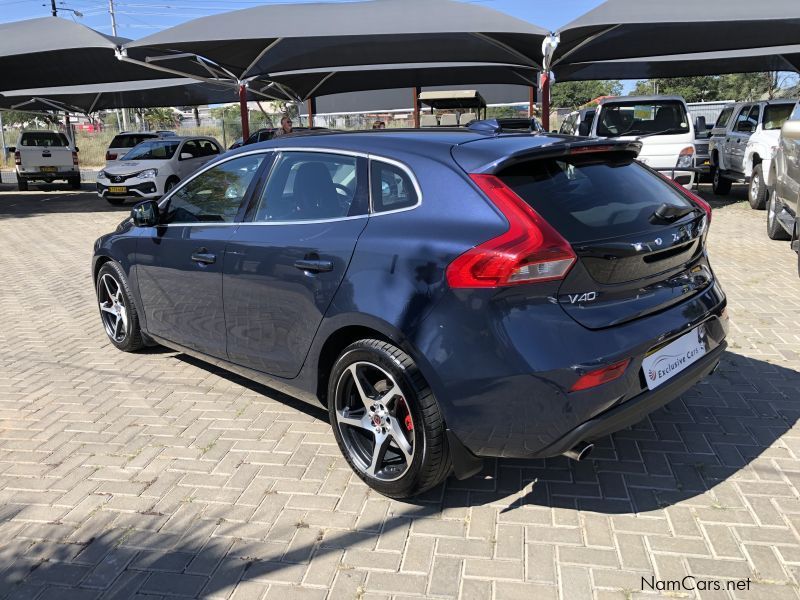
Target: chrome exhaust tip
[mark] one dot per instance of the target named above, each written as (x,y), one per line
(580,452)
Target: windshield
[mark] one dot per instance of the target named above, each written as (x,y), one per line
(156,150)
(44,139)
(665,117)
(776,114)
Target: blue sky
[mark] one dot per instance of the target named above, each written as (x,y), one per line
(137,18)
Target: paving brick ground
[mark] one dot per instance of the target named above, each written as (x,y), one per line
(156,476)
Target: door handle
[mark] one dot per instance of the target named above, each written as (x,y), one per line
(204,257)
(314,266)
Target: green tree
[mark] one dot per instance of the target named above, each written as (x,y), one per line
(692,89)
(572,94)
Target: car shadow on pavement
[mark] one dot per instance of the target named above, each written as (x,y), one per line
(53,198)
(685,452)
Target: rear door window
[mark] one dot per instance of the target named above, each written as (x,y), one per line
(588,198)
(392,188)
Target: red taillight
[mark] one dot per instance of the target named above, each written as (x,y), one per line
(691,196)
(110,156)
(17,158)
(74,158)
(529,251)
(600,376)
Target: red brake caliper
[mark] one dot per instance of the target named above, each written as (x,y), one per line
(407,422)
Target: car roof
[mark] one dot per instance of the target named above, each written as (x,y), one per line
(432,144)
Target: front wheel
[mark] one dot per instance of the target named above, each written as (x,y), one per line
(75,183)
(775,230)
(758,194)
(117,311)
(386,421)
(719,185)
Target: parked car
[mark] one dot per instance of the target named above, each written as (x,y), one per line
(661,123)
(578,122)
(154,167)
(45,156)
(783,217)
(267,133)
(447,295)
(742,143)
(123,142)
(704,115)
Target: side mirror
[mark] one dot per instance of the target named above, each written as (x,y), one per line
(791,130)
(77,149)
(12,149)
(745,126)
(700,129)
(145,214)
(186,156)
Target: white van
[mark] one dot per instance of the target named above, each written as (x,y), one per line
(661,123)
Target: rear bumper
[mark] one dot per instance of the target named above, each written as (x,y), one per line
(634,410)
(502,368)
(47,175)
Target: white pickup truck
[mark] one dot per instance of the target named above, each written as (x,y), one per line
(742,146)
(45,156)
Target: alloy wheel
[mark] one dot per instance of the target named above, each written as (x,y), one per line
(755,185)
(771,210)
(112,307)
(375,422)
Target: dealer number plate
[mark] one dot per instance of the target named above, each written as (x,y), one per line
(49,169)
(117,189)
(668,361)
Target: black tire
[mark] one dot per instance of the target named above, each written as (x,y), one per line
(115,201)
(130,334)
(758,193)
(171,183)
(75,183)
(775,230)
(22,185)
(399,478)
(719,184)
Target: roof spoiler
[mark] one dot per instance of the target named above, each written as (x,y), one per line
(562,149)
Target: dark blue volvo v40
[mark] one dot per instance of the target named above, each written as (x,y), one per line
(447,295)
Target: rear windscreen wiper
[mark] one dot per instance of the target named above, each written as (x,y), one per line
(667,213)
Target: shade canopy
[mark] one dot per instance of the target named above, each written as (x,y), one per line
(132,94)
(619,29)
(280,38)
(314,83)
(55,52)
(751,60)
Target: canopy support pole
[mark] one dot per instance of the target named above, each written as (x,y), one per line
(311,108)
(243,111)
(416,91)
(2,140)
(531,100)
(545,86)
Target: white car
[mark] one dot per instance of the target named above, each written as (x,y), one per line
(125,141)
(154,167)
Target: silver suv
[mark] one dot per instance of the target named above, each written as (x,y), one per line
(782,208)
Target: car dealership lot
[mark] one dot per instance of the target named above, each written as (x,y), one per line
(158,475)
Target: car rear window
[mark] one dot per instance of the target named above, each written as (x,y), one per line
(589,198)
(129,141)
(48,139)
(776,114)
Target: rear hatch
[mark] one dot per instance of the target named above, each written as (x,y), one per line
(631,262)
